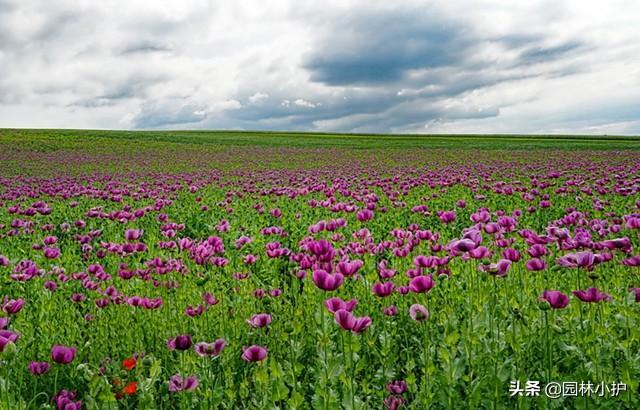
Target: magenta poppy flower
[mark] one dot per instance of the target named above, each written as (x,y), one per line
(39,368)
(347,321)
(536,265)
(591,295)
(259,320)
(210,349)
(63,354)
(177,383)
(361,324)
(349,268)
(636,291)
(632,261)
(512,254)
(422,284)
(393,402)
(209,299)
(133,234)
(194,311)
(344,319)
(418,312)
(446,216)
(390,310)
(334,304)
(499,268)
(65,400)
(397,386)
(327,281)
(6,337)
(13,306)
(383,289)
(51,253)
(181,342)
(556,299)
(4,322)
(254,353)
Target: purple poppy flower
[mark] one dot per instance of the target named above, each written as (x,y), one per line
(383,289)
(63,354)
(512,254)
(6,337)
(50,285)
(632,261)
(591,295)
(13,306)
(39,368)
(259,320)
(391,310)
(177,383)
(181,342)
(64,400)
(254,353)
(334,304)
(51,253)
(499,268)
(636,291)
(209,299)
(133,234)
(361,324)
(193,312)
(327,281)
(556,299)
(210,349)
(536,265)
(418,312)
(4,322)
(397,386)
(393,402)
(421,284)
(345,319)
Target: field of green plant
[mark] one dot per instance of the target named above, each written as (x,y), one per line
(240,270)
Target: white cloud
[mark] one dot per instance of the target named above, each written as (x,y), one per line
(415,66)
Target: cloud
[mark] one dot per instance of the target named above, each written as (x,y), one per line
(418,66)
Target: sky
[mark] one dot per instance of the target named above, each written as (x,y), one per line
(456,66)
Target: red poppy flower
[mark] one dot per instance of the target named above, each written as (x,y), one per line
(129,364)
(130,388)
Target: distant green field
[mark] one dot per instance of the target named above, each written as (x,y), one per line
(46,140)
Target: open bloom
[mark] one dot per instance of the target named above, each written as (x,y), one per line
(210,349)
(6,337)
(39,368)
(348,321)
(177,383)
(334,304)
(499,268)
(591,295)
(556,299)
(422,284)
(64,400)
(254,353)
(63,354)
(259,320)
(418,312)
(382,289)
(397,386)
(13,306)
(326,281)
(181,342)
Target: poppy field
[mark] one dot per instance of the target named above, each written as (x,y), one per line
(178,270)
